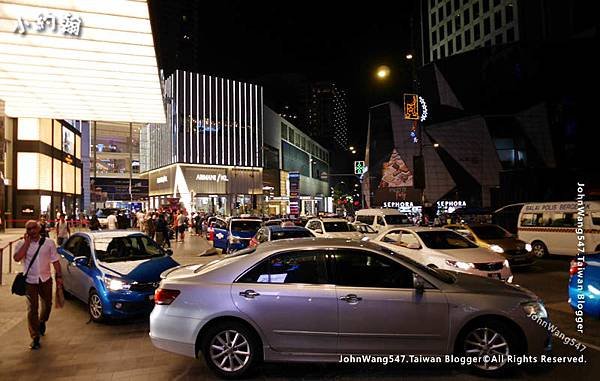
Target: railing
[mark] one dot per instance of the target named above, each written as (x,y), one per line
(10,258)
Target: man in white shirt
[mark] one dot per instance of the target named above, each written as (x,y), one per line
(112,221)
(39,278)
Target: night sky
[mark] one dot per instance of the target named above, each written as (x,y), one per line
(322,40)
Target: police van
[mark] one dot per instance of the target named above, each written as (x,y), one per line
(550,227)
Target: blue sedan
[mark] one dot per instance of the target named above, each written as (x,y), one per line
(584,285)
(114,272)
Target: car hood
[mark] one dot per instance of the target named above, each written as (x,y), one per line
(348,235)
(507,243)
(488,286)
(143,271)
(473,255)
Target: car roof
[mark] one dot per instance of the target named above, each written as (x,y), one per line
(277,228)
(418,229)
(246,219)
(331,219)
(104,234)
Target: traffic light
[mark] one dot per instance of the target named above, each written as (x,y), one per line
(359,167)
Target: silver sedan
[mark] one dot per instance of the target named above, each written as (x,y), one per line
(315,300)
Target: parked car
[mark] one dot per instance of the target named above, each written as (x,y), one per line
(114,272)
(273,233)
(235,234)
(332,228)
(314,299)
(584,285)
(445,249)
(273,222)
(498,240)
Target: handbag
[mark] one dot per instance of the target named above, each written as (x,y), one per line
(19,284)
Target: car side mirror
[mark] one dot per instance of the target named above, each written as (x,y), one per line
(169,252)
(320,231)
(413,245)
(419,283)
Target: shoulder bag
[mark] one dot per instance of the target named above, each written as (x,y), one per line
(19,284)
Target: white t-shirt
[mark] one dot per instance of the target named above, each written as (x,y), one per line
(62,229)
(40,270)
(112,222)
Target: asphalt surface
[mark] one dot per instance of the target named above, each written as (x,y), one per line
(74,349)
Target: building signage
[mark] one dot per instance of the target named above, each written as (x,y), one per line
(294,178)
(69,159)
(551,207)
(411,106)
(455,204)
(27,210)
(216,177)
(66,24)
(398,204)
(162,179)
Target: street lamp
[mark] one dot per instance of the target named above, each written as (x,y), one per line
(383,72)
(409,56)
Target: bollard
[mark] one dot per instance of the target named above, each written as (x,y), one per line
(10,261)
(1,264)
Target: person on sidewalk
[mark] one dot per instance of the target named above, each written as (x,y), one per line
(62,230)
(111,221)
(39,278)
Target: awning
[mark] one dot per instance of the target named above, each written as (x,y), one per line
(79,59)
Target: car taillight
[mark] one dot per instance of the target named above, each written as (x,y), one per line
(165,297)
(253,243)
(575,266)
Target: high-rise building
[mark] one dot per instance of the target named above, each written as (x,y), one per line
(327,112)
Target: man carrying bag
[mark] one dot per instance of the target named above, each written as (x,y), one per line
(37,254)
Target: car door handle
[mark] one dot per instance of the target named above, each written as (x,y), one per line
(249,294)
(351,298)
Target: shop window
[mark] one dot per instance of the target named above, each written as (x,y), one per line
(509,13)
(475,10)
(441,32)
(448,8)
(433,19)
(486,5)
(487,26)
(449,28)
(458,43)
(450,47)
(433,37)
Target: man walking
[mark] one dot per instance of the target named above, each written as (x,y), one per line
(111,221)
(62,230)
(38,254)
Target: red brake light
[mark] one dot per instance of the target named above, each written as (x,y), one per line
(164,296)
(575,266)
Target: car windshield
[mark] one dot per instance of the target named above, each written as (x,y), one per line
(339,226)
(129,248)
(106,212)
(396,219)
(290,234)
(490,232)
(245,226)
(364,228)
(445,240)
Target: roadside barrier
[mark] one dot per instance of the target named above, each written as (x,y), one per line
(10,258)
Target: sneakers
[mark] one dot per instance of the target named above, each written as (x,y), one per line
(42,328)
(35,344)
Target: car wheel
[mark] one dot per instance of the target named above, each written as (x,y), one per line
(539,249)
(230,349)
(95,307)
(493,341)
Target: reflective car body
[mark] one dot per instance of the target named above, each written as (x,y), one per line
(584,285)
(365,229)
(332,228)
(314,299)
(235,234)
(499,240)
(124,287)
(445,249)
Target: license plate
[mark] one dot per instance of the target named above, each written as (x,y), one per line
(494,275)
(151,297)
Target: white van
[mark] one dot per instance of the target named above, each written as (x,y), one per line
(550,227)
(381,219)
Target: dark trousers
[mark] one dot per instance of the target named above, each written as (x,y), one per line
(34,292)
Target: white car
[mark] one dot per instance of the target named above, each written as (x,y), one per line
(445,249)
(367,231)
(332,228)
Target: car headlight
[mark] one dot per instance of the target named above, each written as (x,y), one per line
(535,308)
(496,249)
(461,265)
(528,247)
(116,284)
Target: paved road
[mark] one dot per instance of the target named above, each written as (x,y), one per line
(78,350)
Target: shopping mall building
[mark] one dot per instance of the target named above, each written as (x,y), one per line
(208,155)
(65,68)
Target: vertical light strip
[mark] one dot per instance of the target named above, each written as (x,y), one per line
(184,117)
(203,119)
(216,120)
(191,122)
(197,118)
(239,122)
(177,115)
(258,147)
(209,119)
(222,123)
(228,129)
(262,133)
(234,127)
(245,125)
(251,127)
